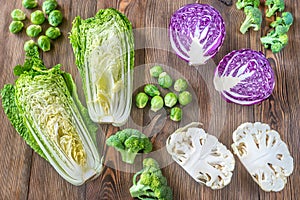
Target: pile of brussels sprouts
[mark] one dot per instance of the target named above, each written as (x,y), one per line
(170,100)
(37,18)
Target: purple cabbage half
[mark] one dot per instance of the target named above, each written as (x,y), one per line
(244,77)
(196,32)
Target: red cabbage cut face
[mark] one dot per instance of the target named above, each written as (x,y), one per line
(196,32)
(244,77)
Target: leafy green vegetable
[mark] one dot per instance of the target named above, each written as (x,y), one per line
(33,30)
(16,26)
(44,43)
(18,15)
(37,17)
(48,6)
(129,142)
(29,4)
(53,33)
(44,108)
(55,18)
(103,48)
(152,184)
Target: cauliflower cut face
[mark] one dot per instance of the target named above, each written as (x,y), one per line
(202,156)
(264,154)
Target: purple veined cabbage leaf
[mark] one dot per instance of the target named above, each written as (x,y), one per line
(244,77)
(196,32)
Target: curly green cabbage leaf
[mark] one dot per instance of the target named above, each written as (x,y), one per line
(104,53)
(44,108)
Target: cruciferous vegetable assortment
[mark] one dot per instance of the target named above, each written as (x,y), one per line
(44,108)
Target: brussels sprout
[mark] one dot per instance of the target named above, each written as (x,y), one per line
(165,80)
(33,30)
(29,4)
(55,18)
(44,43)
(29,45)
(48,6)
(170,99)
(18,15)
(157,103)
(141,100)
(53,33)
(151,90)
(176,114)
(184,98)
(16,26)
(180,85)
(155,71)
(37,17)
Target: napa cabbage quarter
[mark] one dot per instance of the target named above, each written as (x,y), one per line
(103,48)
(44,108)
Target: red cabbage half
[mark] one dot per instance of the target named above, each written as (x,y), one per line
(244,77)
(196,32)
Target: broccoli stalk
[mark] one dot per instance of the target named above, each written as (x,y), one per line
(277,38)
(243,3)
(152,184)
(129,143)
(253,19)
(274,6)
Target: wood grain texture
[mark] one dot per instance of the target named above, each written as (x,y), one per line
(24,175)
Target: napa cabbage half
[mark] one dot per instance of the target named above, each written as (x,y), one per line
(103,48)
(44,108)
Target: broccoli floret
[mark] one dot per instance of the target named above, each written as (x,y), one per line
(274,6)
(253,19)
(243,3)
(286,19)
(151,184)
(274,41)
(130,142)
(277,38)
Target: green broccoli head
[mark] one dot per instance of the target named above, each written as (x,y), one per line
(243,3)
(286,19)
(151,184)
(274,6)
(130,142)
(253,19)
(274,41)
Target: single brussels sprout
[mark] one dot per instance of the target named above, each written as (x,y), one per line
(37,17)
(180,85)
(184,98)
(33,30)
(170,99)
(16,26)
(29,45)
(55,18)
(176,114)
(157,103)
(155,71)
(151,90)
(29,4)
(44,43)
(18,15)
(48,6)
(53,33)
(165,80)
(141,100)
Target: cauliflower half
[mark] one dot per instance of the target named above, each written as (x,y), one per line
(202,156)
(264,155)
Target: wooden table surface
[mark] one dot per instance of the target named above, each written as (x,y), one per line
(24,175)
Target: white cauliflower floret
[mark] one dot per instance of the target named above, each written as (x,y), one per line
(264,154)
(202,156)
